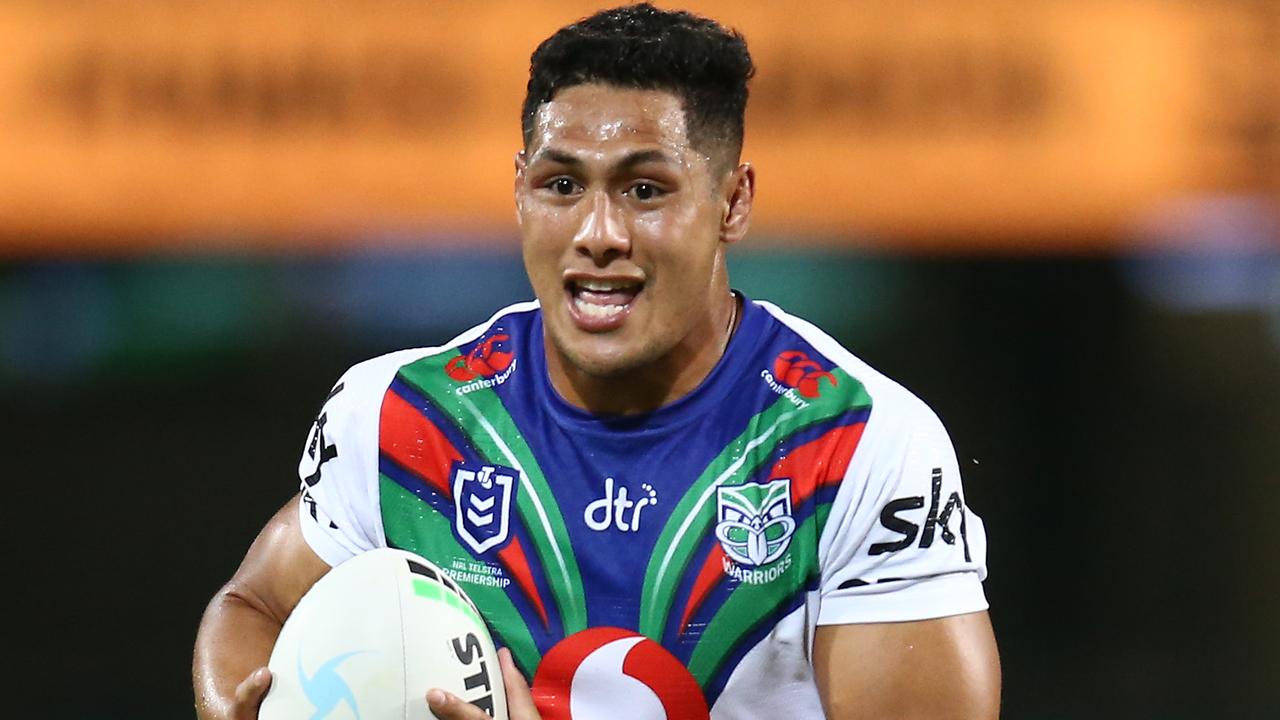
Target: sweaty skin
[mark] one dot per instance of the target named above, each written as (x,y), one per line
(624,225)
(612,190)
(242,621)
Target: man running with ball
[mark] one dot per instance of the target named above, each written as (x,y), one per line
(694,504)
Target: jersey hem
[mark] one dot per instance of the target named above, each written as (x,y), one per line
(941,596)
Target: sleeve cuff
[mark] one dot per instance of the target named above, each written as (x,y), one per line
(904,600)
(329,548)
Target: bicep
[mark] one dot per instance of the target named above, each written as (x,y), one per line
(280,566)
(939,668)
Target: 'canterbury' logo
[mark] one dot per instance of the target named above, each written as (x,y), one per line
(485,360)
(794,369)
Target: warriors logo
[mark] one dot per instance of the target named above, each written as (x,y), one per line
(482,505)
(755,523)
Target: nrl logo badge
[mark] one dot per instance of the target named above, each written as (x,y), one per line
(482,505)
(754,521)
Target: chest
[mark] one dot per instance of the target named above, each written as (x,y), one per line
(686,545)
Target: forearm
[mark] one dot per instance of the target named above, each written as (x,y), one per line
(242,622)
(235,638)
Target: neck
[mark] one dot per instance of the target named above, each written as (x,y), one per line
(655,384)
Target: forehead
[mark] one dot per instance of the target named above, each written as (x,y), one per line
(598,119)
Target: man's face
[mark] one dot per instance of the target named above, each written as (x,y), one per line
(621,219)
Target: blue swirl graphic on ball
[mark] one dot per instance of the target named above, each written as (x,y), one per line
(326,689)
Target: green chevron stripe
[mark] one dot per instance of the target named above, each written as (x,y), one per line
(481,416)
(695,513)
(748,605)
(412,525)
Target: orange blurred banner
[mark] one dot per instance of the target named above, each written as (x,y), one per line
(914,124)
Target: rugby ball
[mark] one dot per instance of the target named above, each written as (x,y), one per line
(372,636)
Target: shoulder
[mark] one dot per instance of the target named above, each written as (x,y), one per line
(899,536)
(892,404)
(368,380)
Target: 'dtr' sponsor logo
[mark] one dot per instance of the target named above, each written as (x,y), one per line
(616,511)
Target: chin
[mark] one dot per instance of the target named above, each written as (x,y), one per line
(605,363)
(604,366)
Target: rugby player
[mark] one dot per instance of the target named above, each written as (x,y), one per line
(760,523)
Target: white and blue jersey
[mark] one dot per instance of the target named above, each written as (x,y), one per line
(675,563)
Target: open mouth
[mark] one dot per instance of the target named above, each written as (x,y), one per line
(601,304)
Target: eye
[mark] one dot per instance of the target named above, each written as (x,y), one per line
(645,191)
(563,186)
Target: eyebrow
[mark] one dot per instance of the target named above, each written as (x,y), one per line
(639,157)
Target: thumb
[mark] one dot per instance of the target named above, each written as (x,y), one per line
(249,694)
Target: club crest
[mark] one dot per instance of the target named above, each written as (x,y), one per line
(482,499)
(754,523)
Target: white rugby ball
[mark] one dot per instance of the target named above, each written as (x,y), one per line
(372,636)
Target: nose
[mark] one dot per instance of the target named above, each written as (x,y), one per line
(603,235)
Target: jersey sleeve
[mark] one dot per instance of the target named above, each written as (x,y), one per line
(901,543)
(340,511)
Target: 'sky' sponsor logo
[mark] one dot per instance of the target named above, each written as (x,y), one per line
(937,521)
(319,452)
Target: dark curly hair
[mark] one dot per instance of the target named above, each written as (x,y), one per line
(642,47)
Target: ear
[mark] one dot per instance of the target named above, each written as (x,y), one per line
(521,163)
(739,192)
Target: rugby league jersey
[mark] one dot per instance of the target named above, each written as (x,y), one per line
(668,565)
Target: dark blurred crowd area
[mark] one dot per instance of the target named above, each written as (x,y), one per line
(1115,419)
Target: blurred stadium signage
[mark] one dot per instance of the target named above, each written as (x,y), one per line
(911,123)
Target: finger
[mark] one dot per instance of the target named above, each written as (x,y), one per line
(520,705)
(249,694)
(447,706)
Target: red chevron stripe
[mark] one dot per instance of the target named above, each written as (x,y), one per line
(408,437)
(817,463)
(513,558)
(708,577)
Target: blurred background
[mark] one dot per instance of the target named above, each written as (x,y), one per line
(1057,221)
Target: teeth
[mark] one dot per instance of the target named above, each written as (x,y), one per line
(592,310)
(605,285)
(603,299)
